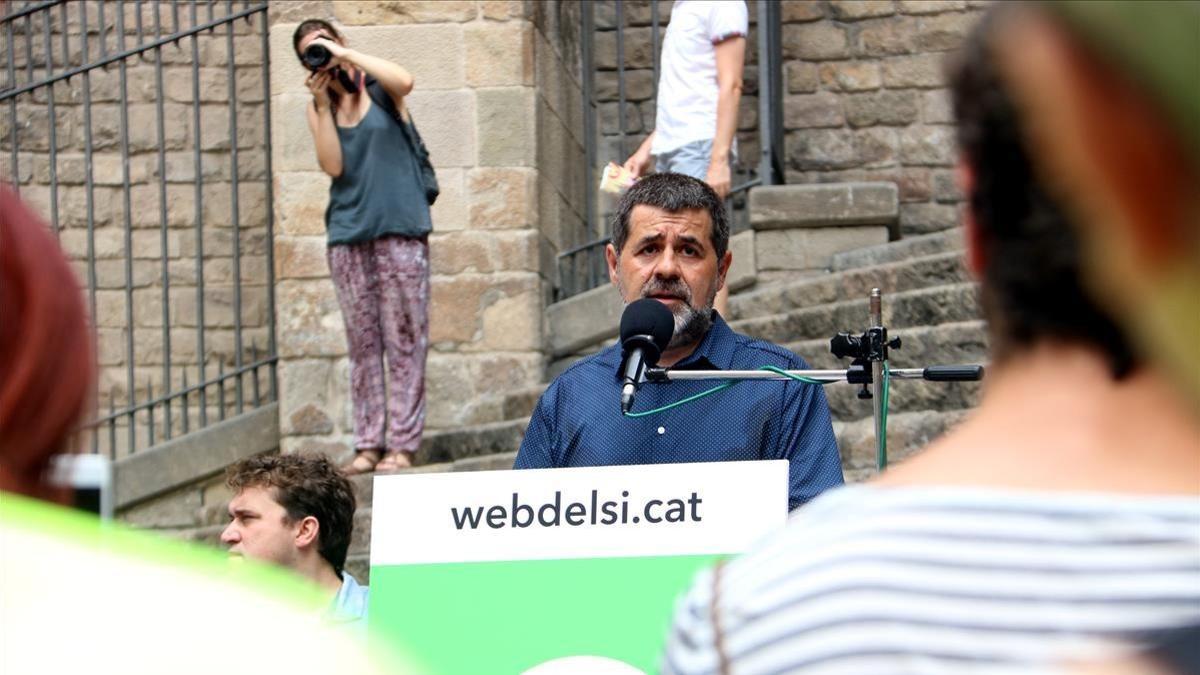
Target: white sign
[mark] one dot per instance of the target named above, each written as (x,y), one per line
(544,514)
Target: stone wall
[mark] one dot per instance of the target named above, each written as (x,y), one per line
(865,94)
(493,99)
(131,228)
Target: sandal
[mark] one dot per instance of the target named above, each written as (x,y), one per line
(364,461)
(393,462)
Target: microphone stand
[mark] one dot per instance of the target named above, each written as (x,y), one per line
(870,354)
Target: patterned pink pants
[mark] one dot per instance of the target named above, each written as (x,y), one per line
(383,290)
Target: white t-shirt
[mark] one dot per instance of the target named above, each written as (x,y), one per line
(687,87)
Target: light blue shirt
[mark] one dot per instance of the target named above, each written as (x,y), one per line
(349,606)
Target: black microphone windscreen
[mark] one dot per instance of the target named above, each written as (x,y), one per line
(648,317)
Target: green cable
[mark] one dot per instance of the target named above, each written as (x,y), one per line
(721,387)
(881,460)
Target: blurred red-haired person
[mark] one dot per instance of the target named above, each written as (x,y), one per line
(125,601)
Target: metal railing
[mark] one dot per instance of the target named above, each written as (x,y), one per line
(186,226)
(582,267)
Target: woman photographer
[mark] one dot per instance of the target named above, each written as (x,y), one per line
(377,222)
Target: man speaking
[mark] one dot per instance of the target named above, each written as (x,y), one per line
(670,243)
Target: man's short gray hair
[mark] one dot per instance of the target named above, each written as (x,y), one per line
(673,192)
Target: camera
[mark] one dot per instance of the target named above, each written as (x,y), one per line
(316,56)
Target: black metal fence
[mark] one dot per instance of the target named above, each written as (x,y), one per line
(582,267)
(141,130)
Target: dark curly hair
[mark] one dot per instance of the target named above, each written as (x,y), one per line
(672,192)
(305,485)
(1032,286)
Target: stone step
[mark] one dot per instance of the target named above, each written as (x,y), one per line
(907,433)
(920,307)
(908,247)
(893,277)
(481,439)
(510,405)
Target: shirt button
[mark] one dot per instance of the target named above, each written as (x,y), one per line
(662,430)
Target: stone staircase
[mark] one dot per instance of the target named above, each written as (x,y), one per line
(928,301)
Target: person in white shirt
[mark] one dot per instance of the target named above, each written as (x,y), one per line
(698,93)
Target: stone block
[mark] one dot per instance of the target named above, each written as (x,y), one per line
(433,53)
(801,77)
(447,120)
(389,12)
(308,319)
(499,54)
(639,85)
(449,212)
(921,70)
(877,146)
(459,304)
(583,320)
(177,509)
(885,37)
(506,126)
(891,108)
(928,145)
(851,76)
(503,10)
(936,107)
(636,45)
(744,267)
(608,118)
(501,198)
(296,11)
(926,218)
(850,10)
(944,32)
(796,11)
(930,6)
(945,187)
(484,252)
(454,378)
(309,420)
(300,200)
(815,41)
(300,258)
(513,323)
(811,248)
(822,150)
(291,143)
(820,206)
(804,111)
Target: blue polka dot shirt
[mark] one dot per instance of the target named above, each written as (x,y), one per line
(578,420)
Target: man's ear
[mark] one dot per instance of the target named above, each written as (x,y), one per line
(723,268)
(308,532)
(610,255)
(973,238)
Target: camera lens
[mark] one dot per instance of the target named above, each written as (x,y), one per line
(316,56)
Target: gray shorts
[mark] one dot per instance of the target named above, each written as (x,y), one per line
(690,159)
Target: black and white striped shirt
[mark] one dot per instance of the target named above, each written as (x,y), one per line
(945,580)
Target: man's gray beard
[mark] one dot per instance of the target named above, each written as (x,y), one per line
(691,323)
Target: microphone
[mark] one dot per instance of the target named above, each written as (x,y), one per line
(646,329)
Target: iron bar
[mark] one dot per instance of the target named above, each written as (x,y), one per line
(31,8)
(88,178)
(112,426)
(184,395)
(66,42)
(53,125)
(876,320)
(150,414)
(254,358)
(202,354)
(29,47)
(587,74)
(621,78)
(654,47)
(188,390)
(221,385)
(162,222)
(101,32)
(137,10)
(231,77)
(107,59)
(12,107)
(122,71)
(266,78)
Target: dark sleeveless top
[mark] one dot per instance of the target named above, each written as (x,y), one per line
(379,192)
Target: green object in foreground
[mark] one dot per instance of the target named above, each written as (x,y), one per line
(507,617)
